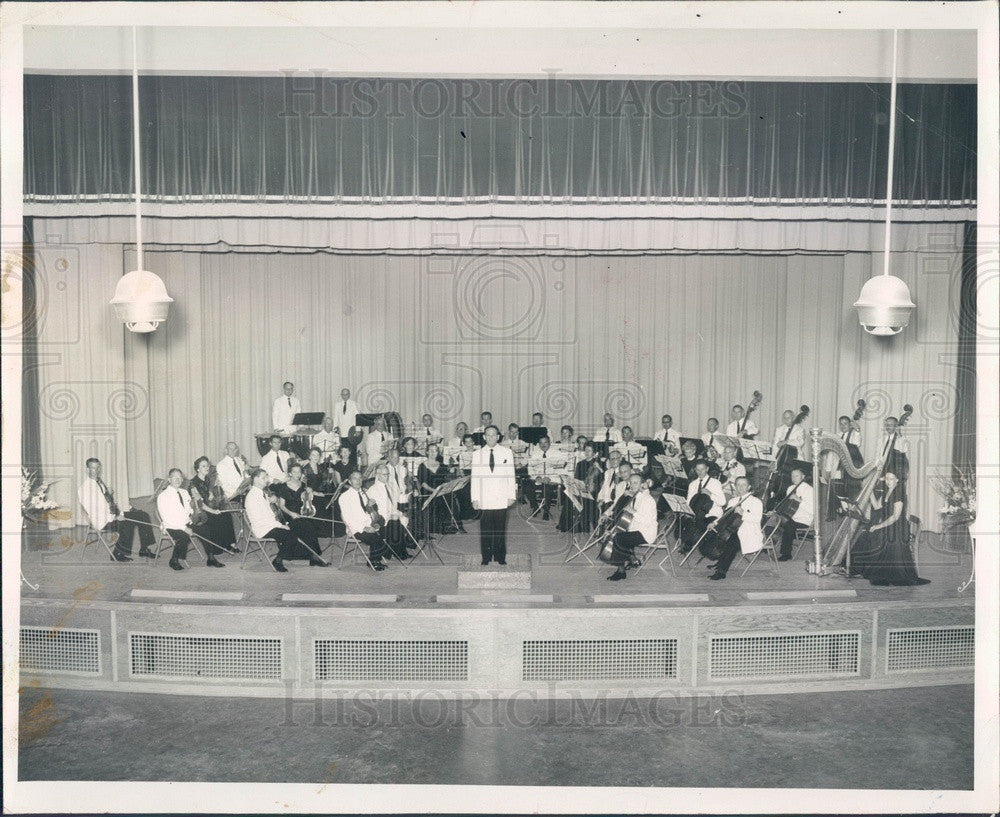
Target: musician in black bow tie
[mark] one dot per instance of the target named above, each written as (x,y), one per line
(802,518)
(104,514)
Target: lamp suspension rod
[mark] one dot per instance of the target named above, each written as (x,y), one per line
(135,151)
(892,156)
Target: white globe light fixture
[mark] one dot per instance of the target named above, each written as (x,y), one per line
(141,300)
(884,305)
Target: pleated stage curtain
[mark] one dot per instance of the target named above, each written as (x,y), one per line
(452,335)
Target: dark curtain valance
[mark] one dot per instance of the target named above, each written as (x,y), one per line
(308,138)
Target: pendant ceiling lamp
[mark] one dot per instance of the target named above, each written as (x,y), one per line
(141,300)
(884,305)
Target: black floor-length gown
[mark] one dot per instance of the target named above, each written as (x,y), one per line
(884,556)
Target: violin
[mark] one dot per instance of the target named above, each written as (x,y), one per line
(308,507)
(594,476)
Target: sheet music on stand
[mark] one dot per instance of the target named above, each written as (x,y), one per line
(678,504)
(671,466)
(757,450)
(446,488)
(722,440)
(575,490)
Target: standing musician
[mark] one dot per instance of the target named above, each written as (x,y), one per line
(611,487)
(732,468)
(789,434)
(375,442)
(802,518)
(707,507)
(641,528)
(633,453)
(608,433)
(285,407)
(537,420)
(670,436)
(748,538)
(844,486)
(345,413)
(174,507)
(275,462)
(458,440)
(217,524)
(431,474)
(712,428)
(265,524)
(485,421)
(740,425)
(545,464)
(493,492)
(295,500)
(233,471)
(519,448)
(896,456)
(356,509)
(428,433)
(103,512)
(327,440)
(386,499)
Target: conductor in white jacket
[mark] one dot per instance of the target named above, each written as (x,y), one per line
(494,490)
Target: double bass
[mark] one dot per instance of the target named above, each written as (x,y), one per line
(778,472)
(752,406)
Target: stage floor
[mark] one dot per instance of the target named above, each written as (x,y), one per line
(90,575)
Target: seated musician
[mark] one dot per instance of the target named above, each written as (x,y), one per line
(590,472)
(355,508)
(731,469)
(519,448)
(611,487)
(566,444)
(802,518)
(296,502)
(608,433)
(714,468)
(748,537)
(322,479)
(265,524)
(740,425)
(706,498)
(428,433)
(345,464)
(395,479)
(641,528)
(460,431)
(103,513)
(896,456)
(689,458)
(327,440)
(384,493)
(669,436)
(173,504)
(275,462)
(464,463)
(485,419)
(233,471)
(633,453)
(789,433)
(284,408)
(545,464)
(376,442)
(217,526)
(711,429)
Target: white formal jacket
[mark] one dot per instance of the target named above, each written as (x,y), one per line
(344,419)
(497,489)
(282,413)
(644,518)
(750,534)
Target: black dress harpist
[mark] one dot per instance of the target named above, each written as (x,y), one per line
(883,556)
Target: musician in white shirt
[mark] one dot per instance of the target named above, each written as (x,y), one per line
(545,464)
(345,413)
(608,433)
(384,492)
(613,485)
(519,448)
(803,516)
(633,453)
(566,444)
(493,490)
(896,457)
(749,538)
(669,436)
(741,425)
(174,507)
(712,426)
(355,506)
(789,434)
(102,511)
(485,420)
(327,440)
(232,470)
(459,439)
(375,442)
(641,528)
(264,522)
(275,462)
(693,529)
(732,468)
(428,433)
(285,408)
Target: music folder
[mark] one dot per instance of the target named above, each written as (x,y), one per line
(532,434)
(309,418)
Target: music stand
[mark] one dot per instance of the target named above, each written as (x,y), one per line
(532,434)
(680,509)
(309,418)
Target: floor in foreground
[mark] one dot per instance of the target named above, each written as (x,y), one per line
(917,738)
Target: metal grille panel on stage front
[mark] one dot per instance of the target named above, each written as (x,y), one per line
(611,659)
(61,650)
(790,655)
(930,648)
(370,660)
(167,655)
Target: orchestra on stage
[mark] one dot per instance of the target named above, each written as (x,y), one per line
(393,490)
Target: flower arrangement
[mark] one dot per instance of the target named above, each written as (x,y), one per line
(959,494)
(35,504)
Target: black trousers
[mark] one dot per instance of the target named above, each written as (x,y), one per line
(543,494)
(125,528)
(788,531)
(305,529)
(217,529)
(396,538)
(729,551)
(624,545)
(288,543)
(377,547)
(493,535)
(182,540)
